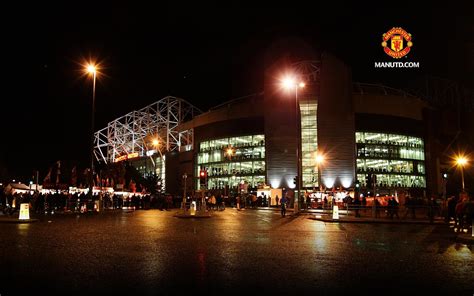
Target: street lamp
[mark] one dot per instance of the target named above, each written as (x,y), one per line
(291,83)
(156,143)
(91,69)
(185,176)
(319,159)
(461,161)
(229,152)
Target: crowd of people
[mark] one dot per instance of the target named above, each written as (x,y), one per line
(57,202)
(458,209)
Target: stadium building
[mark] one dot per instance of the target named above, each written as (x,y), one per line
(346,132)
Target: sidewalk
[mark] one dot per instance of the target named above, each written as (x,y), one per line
(465,238)
(14,219)
(343,218)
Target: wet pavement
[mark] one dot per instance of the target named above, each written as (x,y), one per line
(233,252)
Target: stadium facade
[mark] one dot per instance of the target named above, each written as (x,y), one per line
(251,142)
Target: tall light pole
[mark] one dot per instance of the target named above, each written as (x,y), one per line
(461,161)
(290,83)
(185,176)
(319,158)
(91,69)
(156,143)
(229,152)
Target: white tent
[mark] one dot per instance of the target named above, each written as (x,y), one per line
(13,188)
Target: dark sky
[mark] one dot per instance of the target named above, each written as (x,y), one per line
(204,53)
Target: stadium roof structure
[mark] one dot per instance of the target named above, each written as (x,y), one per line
(153,127)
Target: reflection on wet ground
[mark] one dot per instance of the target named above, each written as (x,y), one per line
(153,252)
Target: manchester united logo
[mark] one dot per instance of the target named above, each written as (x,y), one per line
(394,40)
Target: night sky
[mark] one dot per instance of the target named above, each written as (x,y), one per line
(204,53)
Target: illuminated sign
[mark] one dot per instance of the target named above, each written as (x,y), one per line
(335,213)
(126,156)
(120,158)
(24,211)
(132,155)
(150,152)
(396,37)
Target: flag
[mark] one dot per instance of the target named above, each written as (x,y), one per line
(58,171)
(132,186)
(74,176)
(48,176)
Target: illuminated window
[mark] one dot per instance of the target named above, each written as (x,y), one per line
(309,143)
(246,164)
(397,160)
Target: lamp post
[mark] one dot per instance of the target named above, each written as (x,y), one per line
(229,152)
(319,158)
(290,83)
(91,69)
(185,176)
(156,144)
(461,161)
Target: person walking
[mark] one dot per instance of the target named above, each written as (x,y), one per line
(377,207)
(283,202)
(238,202)
(393,208)
(356,204)
(409,207)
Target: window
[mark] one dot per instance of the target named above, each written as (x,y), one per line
(247,163)
(309,143)
(397,160)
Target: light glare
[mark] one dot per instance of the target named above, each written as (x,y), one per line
(319,158)
(288,82)
(461,160)
(91,69)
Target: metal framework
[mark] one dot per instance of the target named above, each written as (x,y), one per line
(308,70)
(367,88)
(133,132)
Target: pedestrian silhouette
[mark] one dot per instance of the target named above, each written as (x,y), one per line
(283,202)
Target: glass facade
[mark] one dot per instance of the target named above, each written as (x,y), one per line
(309,143)
(146,165)
(245,163)
(397,160)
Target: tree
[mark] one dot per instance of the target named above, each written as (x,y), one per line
(152,183)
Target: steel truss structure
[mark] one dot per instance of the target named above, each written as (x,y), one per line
(308,70)
(135,131)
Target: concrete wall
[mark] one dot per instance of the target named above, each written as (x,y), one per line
(280,123)
(336,130)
